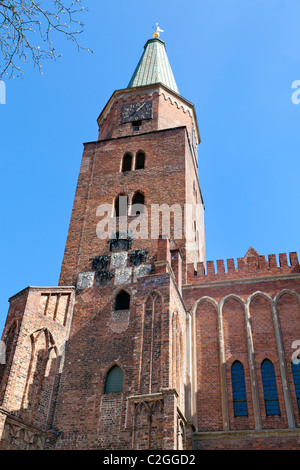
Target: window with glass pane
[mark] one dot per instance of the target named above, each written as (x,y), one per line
(239,389)
(270,388)
(296,377)
(114,380)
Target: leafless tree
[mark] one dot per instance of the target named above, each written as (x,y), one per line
(27,28)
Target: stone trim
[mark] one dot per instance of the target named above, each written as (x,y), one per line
(284,433)
(247,280)
(153,396)
(51,288)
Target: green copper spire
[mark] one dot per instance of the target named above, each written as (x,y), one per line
(154,67)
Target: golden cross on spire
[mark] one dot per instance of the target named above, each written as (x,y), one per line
(157,31)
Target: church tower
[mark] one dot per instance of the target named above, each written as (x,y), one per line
(127,251)
(107,353)
(146,153)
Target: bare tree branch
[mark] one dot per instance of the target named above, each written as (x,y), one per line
(27,28)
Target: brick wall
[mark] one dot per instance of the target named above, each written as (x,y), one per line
(248,314)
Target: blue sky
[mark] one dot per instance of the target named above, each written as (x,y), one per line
(235,60)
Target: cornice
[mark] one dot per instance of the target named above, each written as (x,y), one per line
(51,288)
(247,280)
(200,436)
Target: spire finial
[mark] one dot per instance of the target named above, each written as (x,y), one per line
(157,31)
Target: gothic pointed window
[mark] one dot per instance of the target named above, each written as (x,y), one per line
(121,205)
(138,202)
(122,301)
(140,161)
(114,380)
(296,377)
(126,164)
(270,388)
(239,389)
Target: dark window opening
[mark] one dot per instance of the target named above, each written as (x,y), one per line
(114,380)
(138,201)
(140,161)
(136,125)
(121,205)
(126,165)
(122,301)
(270,388)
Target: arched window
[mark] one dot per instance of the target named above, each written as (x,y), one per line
(270,388)
(122,301)
(138,200)
(296,377)
(140,161)
(126,164)
(121,205)
(114,380)
(239,389)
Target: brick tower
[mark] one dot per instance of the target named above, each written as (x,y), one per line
(145,344)
(108,348)
(129,315)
